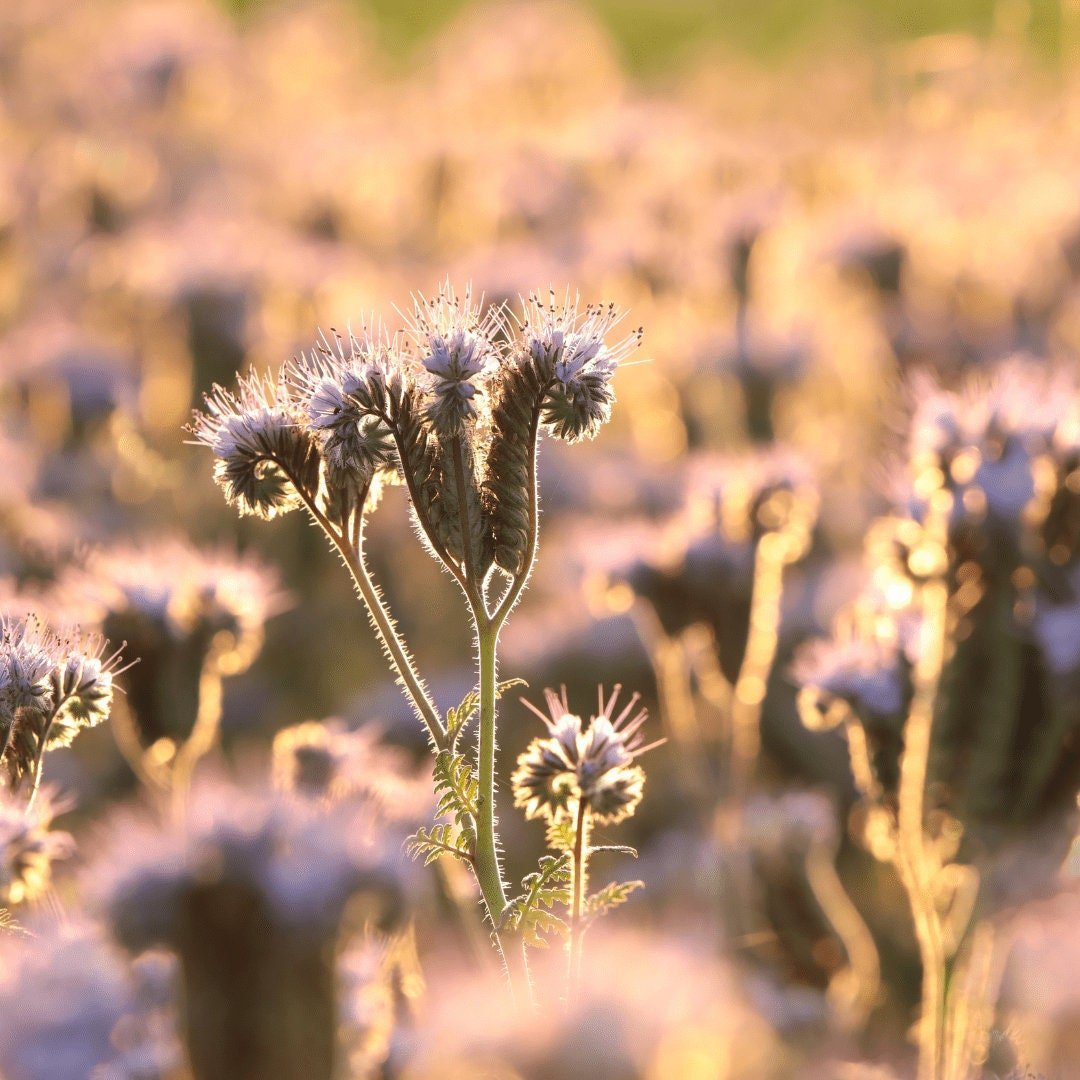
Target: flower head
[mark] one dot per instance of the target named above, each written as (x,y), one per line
(302,861)
(51,686)
(457,348)
(267,460)
(180,609)
(569,350)
(71,1005)
(578,760)
(341,389)
(983,443)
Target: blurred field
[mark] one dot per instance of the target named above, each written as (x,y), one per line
(851,233)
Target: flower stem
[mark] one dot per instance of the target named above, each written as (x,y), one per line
(486,864)
(577,900)
(351,552)
(203,736)
(488,871)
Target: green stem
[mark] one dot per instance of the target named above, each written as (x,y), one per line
(351,552)
(488,871)
(486,864)
(577,902)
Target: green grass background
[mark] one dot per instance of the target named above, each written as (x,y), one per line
(653,34)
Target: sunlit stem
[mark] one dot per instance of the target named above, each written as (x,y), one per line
(853,932)
(39,760)
(204,734)
(915,862)
(752,683)
(486,864)
(351,551)
(579,883)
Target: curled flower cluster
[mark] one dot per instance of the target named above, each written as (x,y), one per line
(51,687)
(697,567)
(322,760)
(993,461)
(1001,446)
(171,588)
(251,892)
(181,610)
(452,405)
(590,762)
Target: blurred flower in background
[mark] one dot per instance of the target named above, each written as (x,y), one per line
(853,239)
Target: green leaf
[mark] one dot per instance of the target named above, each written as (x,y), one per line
(610,896)
(458,719)
(560,833)
(457,789)
(443,839)
(531,913)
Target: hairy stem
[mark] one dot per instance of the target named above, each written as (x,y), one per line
(352,555)
(577,900)
(488,871)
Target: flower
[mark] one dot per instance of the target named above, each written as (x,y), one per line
(340,387)
(591,761)
(868,675)
(570,354)
(323,760)
(72,1007)
(267,461)
(51,687)
(458,349)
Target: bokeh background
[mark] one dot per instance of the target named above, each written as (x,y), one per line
(803,203)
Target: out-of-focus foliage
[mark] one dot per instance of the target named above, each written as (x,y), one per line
(858,270)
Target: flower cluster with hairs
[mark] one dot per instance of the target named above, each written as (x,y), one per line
(52,686)
(452,406)
(583,762)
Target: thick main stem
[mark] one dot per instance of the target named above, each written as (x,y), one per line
(486,865)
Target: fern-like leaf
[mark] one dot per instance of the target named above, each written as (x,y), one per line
(610,896)
(457,789)
(458,719)
(531,913)
(442,839)
(560,834)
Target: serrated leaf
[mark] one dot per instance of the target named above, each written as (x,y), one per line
(610,896)
(560,834)
(457,719)
(530,913)
(442,839)
(456,788)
